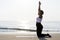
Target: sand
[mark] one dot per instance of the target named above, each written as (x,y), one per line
(55,36)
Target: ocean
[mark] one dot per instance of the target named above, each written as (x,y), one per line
(11,26)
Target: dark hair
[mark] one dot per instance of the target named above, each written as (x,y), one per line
(41,11)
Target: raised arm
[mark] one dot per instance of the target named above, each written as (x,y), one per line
(39,6)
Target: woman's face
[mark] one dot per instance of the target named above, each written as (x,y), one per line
(40,14)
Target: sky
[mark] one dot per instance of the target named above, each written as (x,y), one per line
(26,10)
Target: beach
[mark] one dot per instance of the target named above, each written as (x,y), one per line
(55,36)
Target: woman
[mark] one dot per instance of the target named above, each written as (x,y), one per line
(38,21)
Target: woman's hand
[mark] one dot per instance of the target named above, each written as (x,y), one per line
(39,3)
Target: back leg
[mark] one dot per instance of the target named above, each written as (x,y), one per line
(48,35)
(45,35)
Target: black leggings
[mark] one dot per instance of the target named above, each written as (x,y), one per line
(39,29)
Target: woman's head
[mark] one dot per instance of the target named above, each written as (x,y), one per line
(40,12)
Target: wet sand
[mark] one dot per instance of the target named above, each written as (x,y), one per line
(55,36)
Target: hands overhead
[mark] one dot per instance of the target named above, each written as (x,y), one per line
(39,6)
(39,3)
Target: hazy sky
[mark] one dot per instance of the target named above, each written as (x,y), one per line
(26,10)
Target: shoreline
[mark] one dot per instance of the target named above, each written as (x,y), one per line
(25,32)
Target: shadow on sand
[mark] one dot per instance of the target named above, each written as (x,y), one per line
(42,39)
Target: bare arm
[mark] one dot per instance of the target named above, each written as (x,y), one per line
(39,6)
